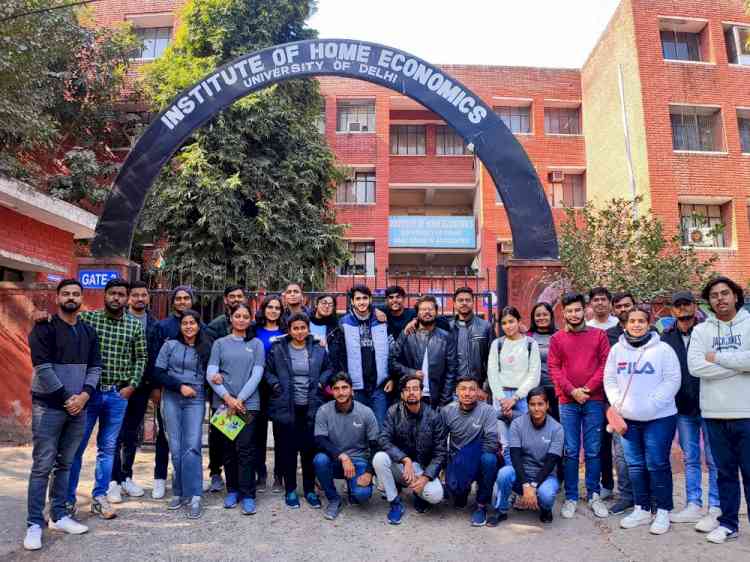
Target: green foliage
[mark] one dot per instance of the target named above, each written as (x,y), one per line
(80,184)
(609,246)
(59,80)
(249,193)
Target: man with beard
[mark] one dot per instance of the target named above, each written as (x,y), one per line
(600,300)
(690,423)
(576,360)
(123,348)
(127,442)
(360,346)
(413,451)
(473,337)
(220,326)
(429,353)
(67,365)
(398,316)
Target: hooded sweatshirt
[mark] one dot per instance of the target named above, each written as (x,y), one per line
(656,378)
(725,385)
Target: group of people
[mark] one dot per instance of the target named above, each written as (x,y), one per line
(421,404)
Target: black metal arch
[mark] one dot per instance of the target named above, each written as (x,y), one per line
(516,180)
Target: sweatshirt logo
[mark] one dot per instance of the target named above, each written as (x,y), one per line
(357,424)
(630,368)
(722,343)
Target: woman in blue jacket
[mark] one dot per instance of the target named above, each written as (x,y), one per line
(180,368)
(297,369)
(234,372)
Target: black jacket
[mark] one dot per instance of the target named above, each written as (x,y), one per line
(614,333)
(422,435)
(153,346)
(280,379)
(443,363)
(480,338)
(688,397)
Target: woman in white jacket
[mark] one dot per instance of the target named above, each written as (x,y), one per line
(641,378)
(513,368)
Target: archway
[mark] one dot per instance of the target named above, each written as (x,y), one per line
(517,183)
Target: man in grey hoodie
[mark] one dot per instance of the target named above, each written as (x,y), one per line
(719,355)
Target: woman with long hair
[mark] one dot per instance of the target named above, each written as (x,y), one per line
(541,329)
(235,370)
(324,319)
(181,369)
(269,324)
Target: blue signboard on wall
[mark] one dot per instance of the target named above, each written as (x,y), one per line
(431,232)
(95,278)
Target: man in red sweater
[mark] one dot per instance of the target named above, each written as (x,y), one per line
(576,361)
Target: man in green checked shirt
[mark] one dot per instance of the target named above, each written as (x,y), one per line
(123,350)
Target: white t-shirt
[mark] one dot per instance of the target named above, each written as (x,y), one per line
(611,322)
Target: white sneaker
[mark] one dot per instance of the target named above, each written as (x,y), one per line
(605,494)
(160,489)
(132,489)
(720,535)
(660,524)
(33,538)
(636,518)
(598,507)
(709,521)
(691,514)
(568,510)
(206,485)
(114,493)
(68,525)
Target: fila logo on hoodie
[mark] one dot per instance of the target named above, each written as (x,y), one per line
(630,368)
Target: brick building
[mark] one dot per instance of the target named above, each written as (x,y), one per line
(658,109)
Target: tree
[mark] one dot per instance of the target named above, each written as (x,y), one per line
(248,196)
(609,246)
(59,82)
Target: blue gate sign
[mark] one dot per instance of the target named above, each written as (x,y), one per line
(431,232)
(95,278)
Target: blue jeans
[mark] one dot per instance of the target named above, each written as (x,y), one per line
(108,408)
(506,480)
(689,430)
(588,419)
(624,487)
(521,408)
(327,469)
(484,475)
(730,446)
(647,445)
(183,418)
(56,437)
(377,402)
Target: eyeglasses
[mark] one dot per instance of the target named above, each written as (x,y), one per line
(325,303)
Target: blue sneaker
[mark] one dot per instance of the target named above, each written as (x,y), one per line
(292,500)
(396,512)
(248,506)
(230,501)
(479,517)
(313,499)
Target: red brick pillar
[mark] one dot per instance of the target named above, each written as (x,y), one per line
(526,281)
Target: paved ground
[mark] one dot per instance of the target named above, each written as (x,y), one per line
(145,530)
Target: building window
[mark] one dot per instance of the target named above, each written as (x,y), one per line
(680,45)
(10,274)
(359,189)
(154,41)
(449,142)
(562,120)
(515,118)
(407,139)
(696,128)
(737,40)
(743,122)
(355,116)
(362,261)
(571,192)
(702,225)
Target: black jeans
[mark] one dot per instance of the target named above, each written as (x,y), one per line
(240,457)
(127,440)
(216,441)
(297,439)
(730,447)
(554,411)
(608,476)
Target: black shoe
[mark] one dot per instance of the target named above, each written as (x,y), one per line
(621,506)
(496,518)
(460,502)
(420,505)
(545,515)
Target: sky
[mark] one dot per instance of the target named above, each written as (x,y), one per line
(545,33)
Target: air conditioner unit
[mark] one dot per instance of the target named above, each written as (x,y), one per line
(355,127)
(556,176)
(703,236)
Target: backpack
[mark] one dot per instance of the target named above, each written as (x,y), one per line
(501,340)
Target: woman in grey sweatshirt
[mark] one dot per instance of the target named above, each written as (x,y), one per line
(235,370)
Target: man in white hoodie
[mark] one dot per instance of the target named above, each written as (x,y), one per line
(719,355)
